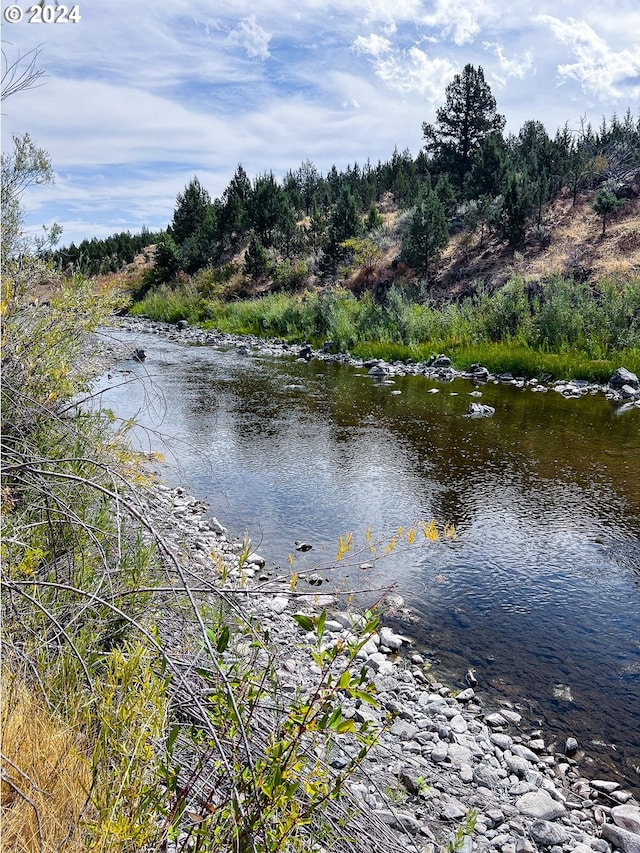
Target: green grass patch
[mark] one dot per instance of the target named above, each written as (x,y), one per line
(527,362)
(569,331)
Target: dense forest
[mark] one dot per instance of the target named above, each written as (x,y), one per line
(469,177)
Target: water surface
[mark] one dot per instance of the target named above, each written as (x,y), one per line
(540,590)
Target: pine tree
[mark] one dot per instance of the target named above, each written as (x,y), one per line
(487,173)
(256,262)
(194,227)
(427,234)
(514,209)
(345,222)
(268,209)
(234,215)
(605,205)
(468,116)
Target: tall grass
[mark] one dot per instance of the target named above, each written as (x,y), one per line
(558,327)
(46,777)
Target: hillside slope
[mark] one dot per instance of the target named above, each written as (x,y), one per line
(570,244)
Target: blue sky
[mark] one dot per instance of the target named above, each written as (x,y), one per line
(141,96)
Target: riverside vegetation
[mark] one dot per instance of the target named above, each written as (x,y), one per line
(521,252)
(118,734)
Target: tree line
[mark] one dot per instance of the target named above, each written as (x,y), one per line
(468,176)
(103,256)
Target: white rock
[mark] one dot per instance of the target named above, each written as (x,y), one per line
(525,752)
(495,721)
(390,639)
(214,524)
(458,724)
(511,716)
(548,834)
(628,817)
(439,752)
(466,695)
(539,804)
(501,740)
(626,841)
(379,663)
(603,785)
(459,755)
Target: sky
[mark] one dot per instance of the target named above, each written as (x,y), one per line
(138,97)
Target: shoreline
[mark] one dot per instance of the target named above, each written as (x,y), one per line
(623,389)
(441,755)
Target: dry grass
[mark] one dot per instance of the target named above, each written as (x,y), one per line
(45,780)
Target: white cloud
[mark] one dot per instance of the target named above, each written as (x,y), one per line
(413,71)
(372,45)
(250,36)
(459,20)
(517,66)
(599,69)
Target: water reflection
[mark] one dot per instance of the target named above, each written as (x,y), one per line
(539,592)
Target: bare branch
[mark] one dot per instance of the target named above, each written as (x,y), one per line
(22,73)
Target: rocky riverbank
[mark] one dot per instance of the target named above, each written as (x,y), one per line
(442,760)
(623,389)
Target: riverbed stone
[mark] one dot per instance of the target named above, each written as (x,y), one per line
(501,740)
(517,765)
(605,786)
(378,663)
(628,817)
(480,410)
(540,805)
(459,755)
(403,730)
(458,724)
(622,376)
(525,752)
(621,838)
(441,360)
(511,716)
(439,752)
(466,695)
(548,834)
(570,746)
(390,639)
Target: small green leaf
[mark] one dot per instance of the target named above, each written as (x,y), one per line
(321,620)
(173,734)
(365,697)
(304,621)
(345,680)
(205,673)
(335,718)
(223,639)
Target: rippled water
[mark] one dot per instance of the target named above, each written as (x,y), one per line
(540,590)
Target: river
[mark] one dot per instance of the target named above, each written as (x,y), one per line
(539,591)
